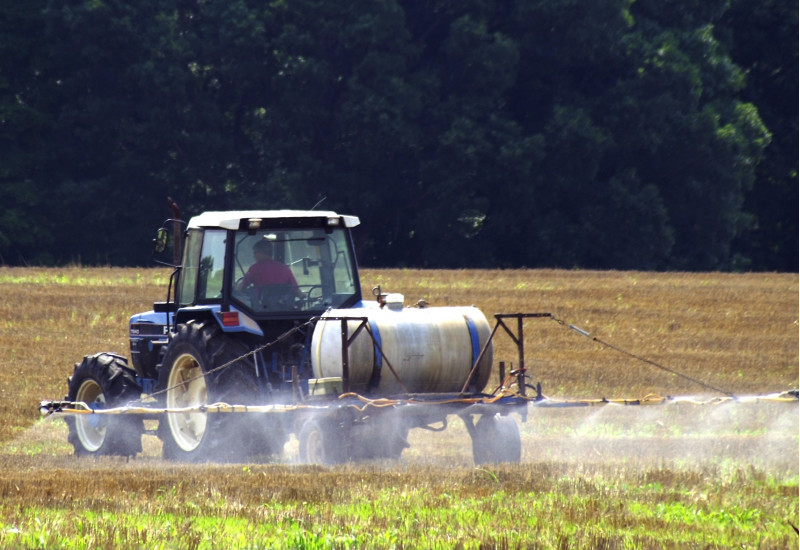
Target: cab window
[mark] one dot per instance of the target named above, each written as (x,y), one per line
(212,265)
(191,261)
(203,266)
(311,270)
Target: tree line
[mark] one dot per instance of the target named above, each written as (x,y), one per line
(608,134)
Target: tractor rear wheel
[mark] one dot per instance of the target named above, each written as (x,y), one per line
(190,379)
(104,381)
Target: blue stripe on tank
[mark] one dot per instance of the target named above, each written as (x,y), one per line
(378,344)
(473,335)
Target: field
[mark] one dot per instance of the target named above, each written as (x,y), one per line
(613,476)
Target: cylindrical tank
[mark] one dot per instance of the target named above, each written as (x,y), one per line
(432,350)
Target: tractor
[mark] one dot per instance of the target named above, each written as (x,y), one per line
(265,318)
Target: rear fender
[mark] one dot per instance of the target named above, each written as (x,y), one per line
(232,321)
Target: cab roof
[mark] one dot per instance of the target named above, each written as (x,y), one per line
(232,219)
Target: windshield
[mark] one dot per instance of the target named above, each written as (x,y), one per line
(293,270)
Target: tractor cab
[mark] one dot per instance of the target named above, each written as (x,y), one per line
(255,273)
(269,264)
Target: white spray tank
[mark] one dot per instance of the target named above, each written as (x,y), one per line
(432,350)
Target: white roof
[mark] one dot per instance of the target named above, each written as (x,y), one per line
(232,218)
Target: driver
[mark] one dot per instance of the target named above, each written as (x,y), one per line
(267,271)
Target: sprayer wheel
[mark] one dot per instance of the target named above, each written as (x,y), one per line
(496,439)
(104,381)
(189,379)
(321,443)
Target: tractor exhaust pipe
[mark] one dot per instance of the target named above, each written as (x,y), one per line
(177,253)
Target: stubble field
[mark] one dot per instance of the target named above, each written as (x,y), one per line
(670,476)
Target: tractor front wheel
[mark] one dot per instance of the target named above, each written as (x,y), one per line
(104,381)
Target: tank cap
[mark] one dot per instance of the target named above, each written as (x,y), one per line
(394,301)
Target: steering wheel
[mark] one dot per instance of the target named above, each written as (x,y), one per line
(246,293)
(311,299)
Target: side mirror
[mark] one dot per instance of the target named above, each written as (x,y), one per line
(167,246)
(160,242)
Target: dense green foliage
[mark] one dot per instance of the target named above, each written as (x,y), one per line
(493,133)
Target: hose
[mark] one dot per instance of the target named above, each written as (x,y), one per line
(76,408)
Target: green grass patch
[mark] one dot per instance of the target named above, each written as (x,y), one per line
(508,507)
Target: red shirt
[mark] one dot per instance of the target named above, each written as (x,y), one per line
(270,272)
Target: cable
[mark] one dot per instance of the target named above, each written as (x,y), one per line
(640,358)
(250,353)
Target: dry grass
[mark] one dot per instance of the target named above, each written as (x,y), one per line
(678,476)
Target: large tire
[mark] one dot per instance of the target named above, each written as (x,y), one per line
(189,379)
(321,443)
(103,381)
(496,439)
